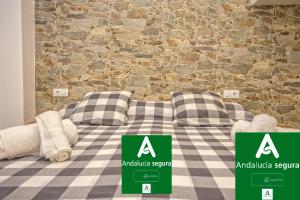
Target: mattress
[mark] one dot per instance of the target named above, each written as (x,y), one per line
(203,166)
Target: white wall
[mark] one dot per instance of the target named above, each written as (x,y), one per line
(12,105)
(11,72)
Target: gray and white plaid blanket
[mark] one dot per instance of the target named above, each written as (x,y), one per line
(203,166)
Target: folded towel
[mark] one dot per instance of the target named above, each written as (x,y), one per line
(260,123)
(70,131)
(28,136)
(239,126)
(263,123)
(54,144)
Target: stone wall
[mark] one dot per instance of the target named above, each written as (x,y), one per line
(158,46)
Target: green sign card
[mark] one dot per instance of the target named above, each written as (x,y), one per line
(267,166)
(146,164)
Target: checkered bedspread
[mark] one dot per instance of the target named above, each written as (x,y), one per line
(203,166)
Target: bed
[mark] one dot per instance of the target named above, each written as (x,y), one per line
(203,165)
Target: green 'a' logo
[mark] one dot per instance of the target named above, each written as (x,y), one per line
(266,147)
(146,147)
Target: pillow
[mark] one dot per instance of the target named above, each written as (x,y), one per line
(237,112)
(68,110)
(150,110)
(103,108)
(206,109)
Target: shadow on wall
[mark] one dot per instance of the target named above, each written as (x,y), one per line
(155,47)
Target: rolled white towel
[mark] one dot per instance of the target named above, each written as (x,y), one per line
(70,131)
(263,123)
(260,123)
(239,126)
(28,136)
(19,141)
(61,156)
(54,143)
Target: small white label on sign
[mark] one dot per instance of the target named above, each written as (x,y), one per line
(267,194)
(146,188)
